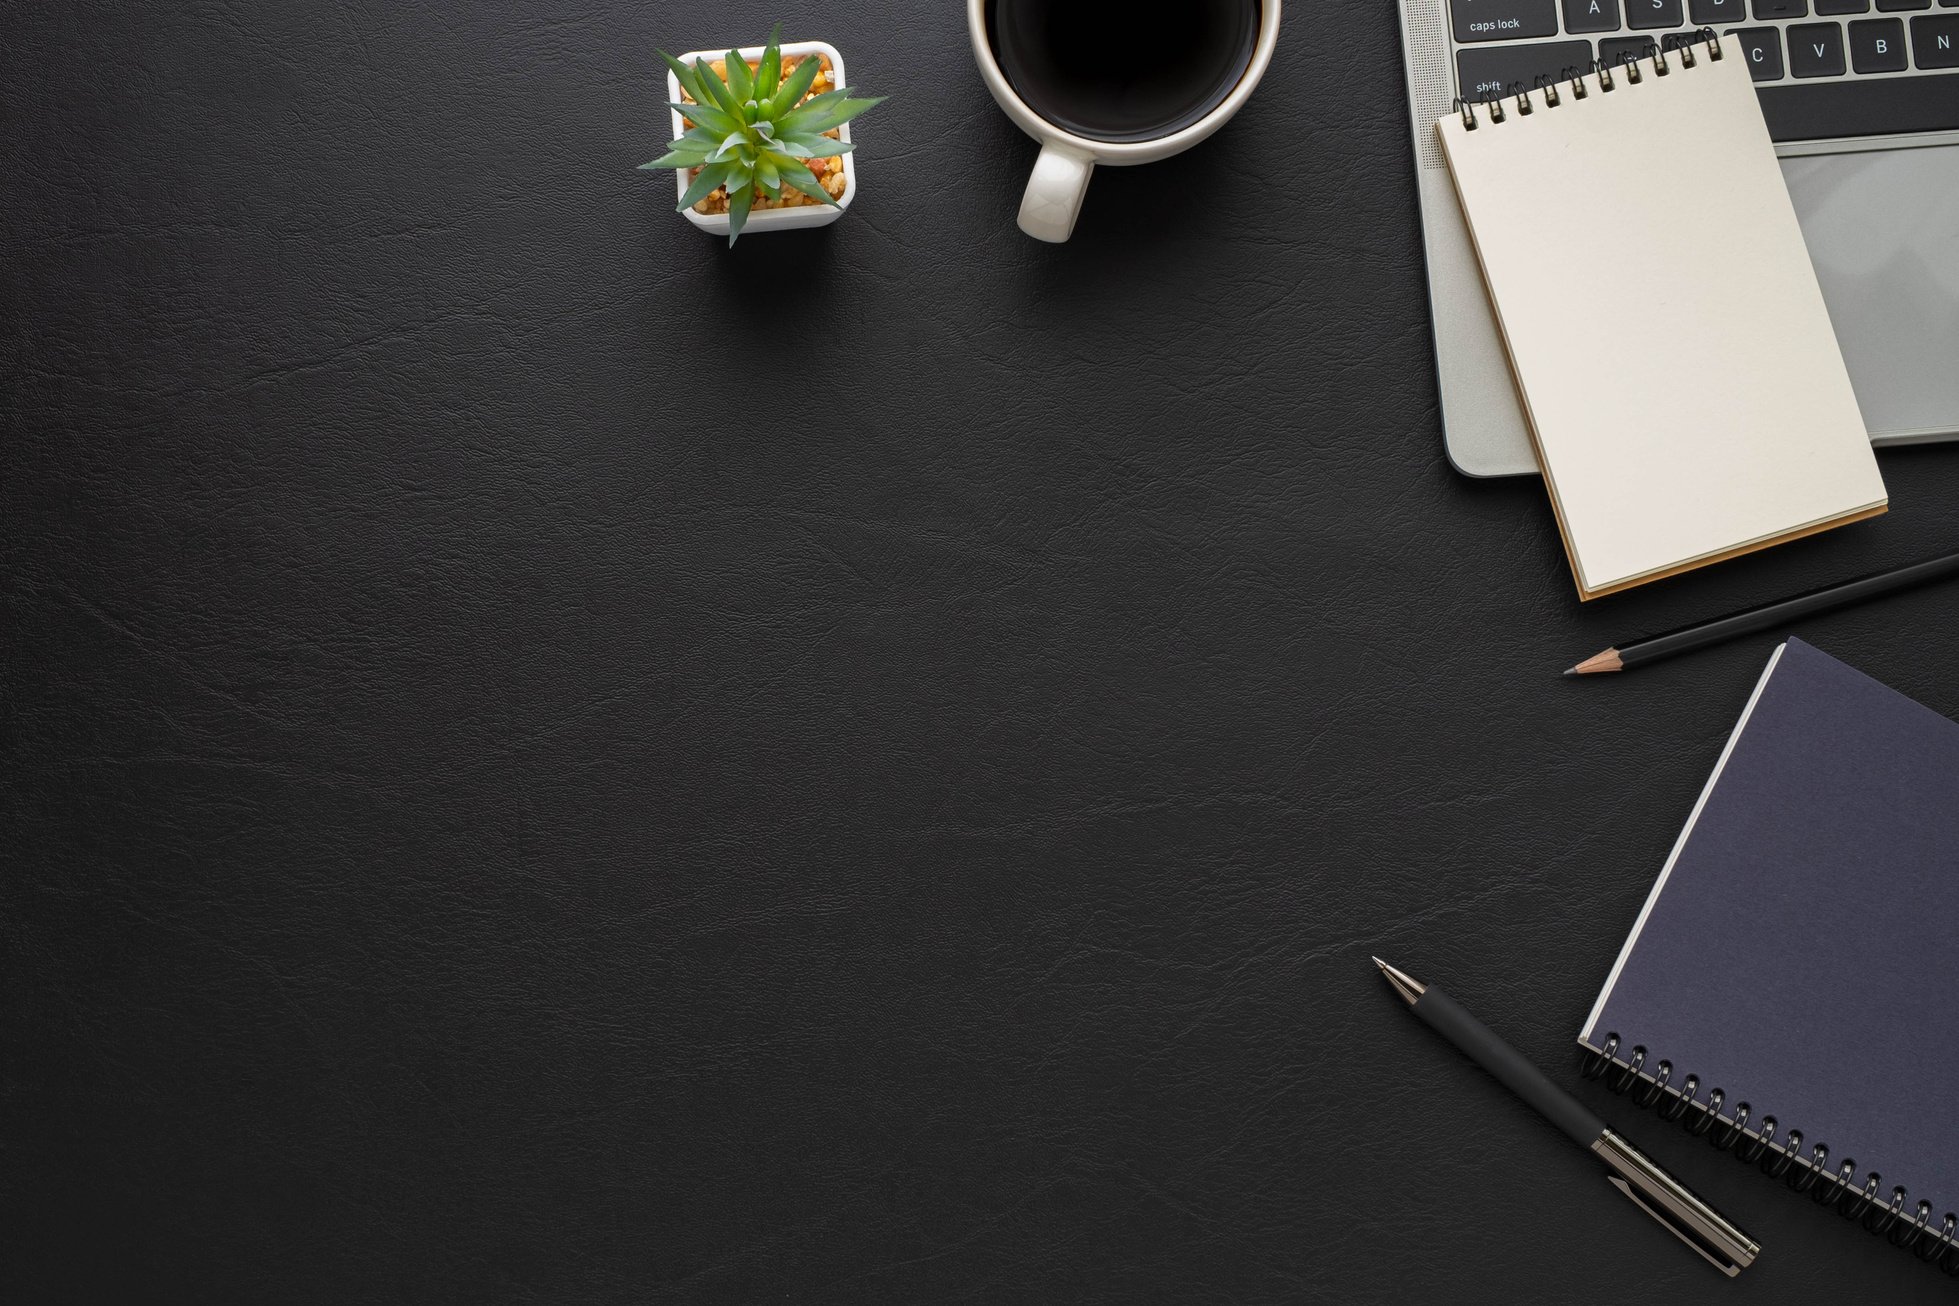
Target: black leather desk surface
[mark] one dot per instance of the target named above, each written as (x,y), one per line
(550,761)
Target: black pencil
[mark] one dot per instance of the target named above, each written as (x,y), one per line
(1624,657)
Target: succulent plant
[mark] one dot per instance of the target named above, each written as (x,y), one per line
(752,129)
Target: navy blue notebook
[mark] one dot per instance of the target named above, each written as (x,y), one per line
(1792,984)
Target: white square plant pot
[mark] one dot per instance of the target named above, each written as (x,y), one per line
(803,215)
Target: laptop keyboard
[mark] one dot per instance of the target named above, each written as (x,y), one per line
(1823,68)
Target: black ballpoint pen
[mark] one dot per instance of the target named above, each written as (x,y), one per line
(1656,1192)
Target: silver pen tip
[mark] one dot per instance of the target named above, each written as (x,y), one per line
(1405,984)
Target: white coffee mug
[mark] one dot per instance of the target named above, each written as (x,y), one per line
(1054,193)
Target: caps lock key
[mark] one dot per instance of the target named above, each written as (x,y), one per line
(1503,20)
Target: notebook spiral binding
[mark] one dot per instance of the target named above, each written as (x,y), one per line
(1629,69)
(1779,1158)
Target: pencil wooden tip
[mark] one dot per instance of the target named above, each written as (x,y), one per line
(1591,666)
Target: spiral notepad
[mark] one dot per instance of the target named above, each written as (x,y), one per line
(1671,349)
(1788,988)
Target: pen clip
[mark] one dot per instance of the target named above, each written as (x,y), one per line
(1720,1263)
(1685,1216)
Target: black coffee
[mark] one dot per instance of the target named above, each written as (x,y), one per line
(1123,70)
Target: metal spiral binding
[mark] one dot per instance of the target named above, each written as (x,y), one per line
(1867,1203)
(1546,86)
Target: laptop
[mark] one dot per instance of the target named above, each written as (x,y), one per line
(1862,100)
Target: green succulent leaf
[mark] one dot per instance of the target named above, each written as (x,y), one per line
(683,153)
(739,203)
(768,177)
(717,90)
(816,103)
(805,181)
(704,80)
(703,184)
(739,79)
(769,75)
(813,147)
(832,109)
(730,145)
(685,76)
(795,88)
(706,115)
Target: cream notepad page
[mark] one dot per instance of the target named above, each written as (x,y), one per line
(1670,345)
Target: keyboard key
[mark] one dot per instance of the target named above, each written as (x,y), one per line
(1709,12)
(1877,45)
(1816,50)
(1890,6)
(1843,6)
(1860,106)
(1591,15)
(1762,47)
(1671,41)
(1653,13)
(1503,20)
(1935,41)
(1624,49)
(1767,9)
(1505,70)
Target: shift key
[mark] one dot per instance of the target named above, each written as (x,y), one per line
(1503,20)
(1506,70)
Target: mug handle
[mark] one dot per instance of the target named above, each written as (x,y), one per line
(1054,192)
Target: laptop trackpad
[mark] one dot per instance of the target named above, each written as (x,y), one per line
(1883,230)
